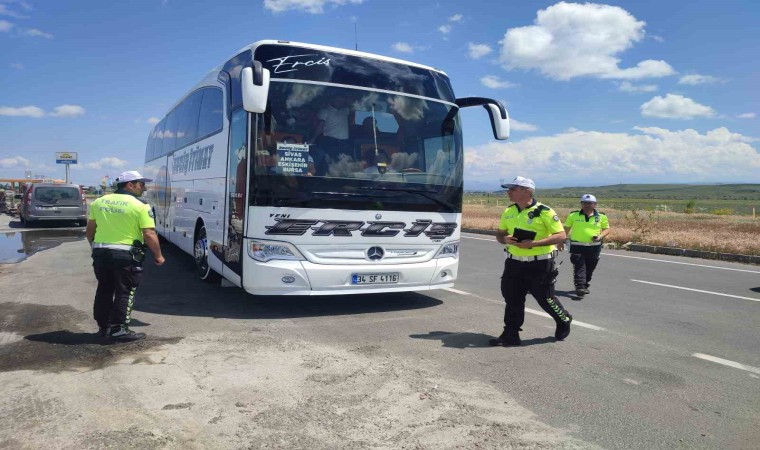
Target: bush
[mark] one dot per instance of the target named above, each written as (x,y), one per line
(723,212)
(689,209)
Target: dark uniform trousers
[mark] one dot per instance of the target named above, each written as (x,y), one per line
(536,277)
(118,277)
(584,261)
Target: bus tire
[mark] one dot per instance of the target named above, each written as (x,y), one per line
(200,254)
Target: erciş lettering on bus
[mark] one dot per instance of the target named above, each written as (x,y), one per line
(294,62)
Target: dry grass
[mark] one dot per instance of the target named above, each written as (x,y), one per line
(725,234)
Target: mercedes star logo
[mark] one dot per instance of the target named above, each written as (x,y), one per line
(375,253)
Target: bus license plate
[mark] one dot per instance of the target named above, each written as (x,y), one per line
(378,278)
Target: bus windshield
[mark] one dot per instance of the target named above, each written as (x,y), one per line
(317,143)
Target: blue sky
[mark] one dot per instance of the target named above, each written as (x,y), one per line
(600,93)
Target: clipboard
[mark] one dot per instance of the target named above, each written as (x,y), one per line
(523,235)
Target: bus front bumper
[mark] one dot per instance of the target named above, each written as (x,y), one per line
(279,277)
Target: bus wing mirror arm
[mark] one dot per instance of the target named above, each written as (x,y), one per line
(254,81)
(496,112)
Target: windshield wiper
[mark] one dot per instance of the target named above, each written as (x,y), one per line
(425,194)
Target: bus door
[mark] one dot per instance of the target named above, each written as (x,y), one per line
(237,182)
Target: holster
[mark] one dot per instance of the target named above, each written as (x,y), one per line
(138,251)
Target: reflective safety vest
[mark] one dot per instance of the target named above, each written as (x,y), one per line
(583,228)
(537,217)
(120,218)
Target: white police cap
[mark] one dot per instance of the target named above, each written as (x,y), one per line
(131,175)
(588,198)
(520,181)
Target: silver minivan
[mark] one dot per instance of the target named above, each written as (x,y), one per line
(53,202)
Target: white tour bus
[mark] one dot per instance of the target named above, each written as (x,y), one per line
(308,170)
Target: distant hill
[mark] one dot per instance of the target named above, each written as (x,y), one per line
(661,191)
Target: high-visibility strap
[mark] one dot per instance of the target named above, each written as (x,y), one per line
(532,258)
(586,244)
(112,246)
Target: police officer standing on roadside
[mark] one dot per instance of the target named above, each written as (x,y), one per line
(120,228)
(587,229)
(530,231)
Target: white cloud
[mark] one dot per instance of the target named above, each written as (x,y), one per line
(24,111)
(445,29)
(750,115)
(308,6)
(455,18)
(37,33)
(403,47)
(477,51)
(4,11)
(516,125)
(626,86)
(17,66)
(571,40)
(649,154)
(5,26)
(110,162)
(696,79)
(495,82)
(16,161)
(657,38)
(36,112)
(153,120)
(67,111)
(674,106)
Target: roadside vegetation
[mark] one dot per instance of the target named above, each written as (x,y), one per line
(721,229)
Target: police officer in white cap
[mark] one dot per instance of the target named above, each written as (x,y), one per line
(120,228)
(587,229)
(529,231)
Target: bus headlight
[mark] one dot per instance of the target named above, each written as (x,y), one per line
(448,250)
(267,250)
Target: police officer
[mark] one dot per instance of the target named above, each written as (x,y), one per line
(586,228)
(529,230)
(120,228)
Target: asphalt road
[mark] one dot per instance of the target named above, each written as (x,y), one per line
(662,354)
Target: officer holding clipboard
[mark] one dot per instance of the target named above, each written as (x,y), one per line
(529,231)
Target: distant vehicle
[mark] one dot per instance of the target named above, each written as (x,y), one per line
(269,173)
(48,202)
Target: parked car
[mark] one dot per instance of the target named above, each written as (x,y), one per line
(53,202)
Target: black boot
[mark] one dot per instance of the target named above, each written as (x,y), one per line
(121,333)
(563,329)
(506,339)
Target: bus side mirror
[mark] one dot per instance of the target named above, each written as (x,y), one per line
(496,112)
(254,81)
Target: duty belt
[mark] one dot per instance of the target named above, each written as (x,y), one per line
(112,246)
(532,258)
(586,244)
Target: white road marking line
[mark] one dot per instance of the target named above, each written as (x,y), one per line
(726,362)
(527,310)
(493,238)
(679,262)
(698,290)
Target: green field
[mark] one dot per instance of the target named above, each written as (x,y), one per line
(723,199)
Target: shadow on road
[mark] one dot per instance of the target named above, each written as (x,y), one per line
(174,289)
(471,340)
(755,289)
(66,337)
(568,294)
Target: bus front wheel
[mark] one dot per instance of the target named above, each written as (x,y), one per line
(200,254)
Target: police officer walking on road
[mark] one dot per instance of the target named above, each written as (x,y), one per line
(529,230)
(120,228)
(587,229)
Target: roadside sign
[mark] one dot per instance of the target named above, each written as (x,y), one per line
(66,157)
